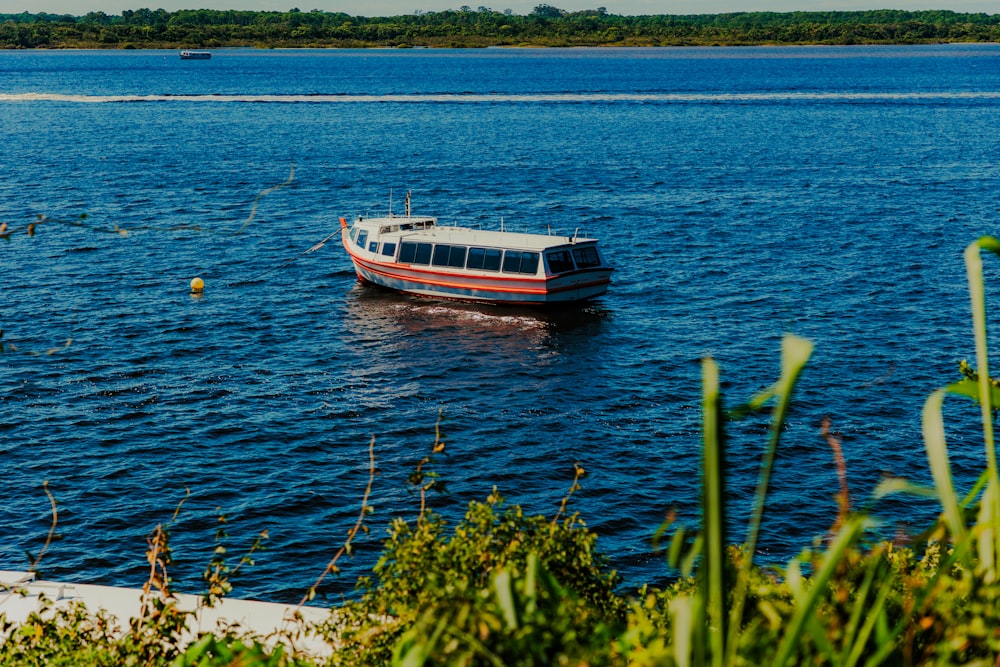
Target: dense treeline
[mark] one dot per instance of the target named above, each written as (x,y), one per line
(545,26)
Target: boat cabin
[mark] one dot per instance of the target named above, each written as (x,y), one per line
(417,256)
(420,242)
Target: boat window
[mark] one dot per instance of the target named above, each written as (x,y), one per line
(362,238)
(492,260)
(415,253)
(441,255)
(456,257)
(487,259)
(373,246)
(529,262)
(515,261)
(389,249)
(407,251)
(354,234)
(586,257)
(476,257)
(559,261)
(423,253)
(449,255)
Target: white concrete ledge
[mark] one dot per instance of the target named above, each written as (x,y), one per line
(21,595)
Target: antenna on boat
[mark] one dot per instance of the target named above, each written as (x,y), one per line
(501,223)
(407,203)
(390,202)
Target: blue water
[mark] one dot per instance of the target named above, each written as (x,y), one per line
(741,193)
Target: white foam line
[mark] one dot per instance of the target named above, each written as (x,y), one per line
(505,98)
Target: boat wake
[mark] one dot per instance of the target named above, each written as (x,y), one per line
(475,98)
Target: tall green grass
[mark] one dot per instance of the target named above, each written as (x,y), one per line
(870,634)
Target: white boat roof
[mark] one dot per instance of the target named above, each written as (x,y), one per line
(467,235)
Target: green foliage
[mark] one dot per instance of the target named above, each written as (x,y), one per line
(521,618)
(71,636)
(546,25)
(423,566)
(210,651)
(59,637)
(218,573)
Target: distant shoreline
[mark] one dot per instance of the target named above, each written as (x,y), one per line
(525,45)
(546,26)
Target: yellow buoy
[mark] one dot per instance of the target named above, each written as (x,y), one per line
(197,286)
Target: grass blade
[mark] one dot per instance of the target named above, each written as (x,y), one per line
(937,457)
(795,353)
(977,297)
(714,514)
(806,603)
(682,612)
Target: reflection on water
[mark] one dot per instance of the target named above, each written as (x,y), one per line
(464,329)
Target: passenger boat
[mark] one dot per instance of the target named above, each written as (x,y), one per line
(196,55)
(416,255)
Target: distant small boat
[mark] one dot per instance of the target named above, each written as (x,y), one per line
(415,255)
(196,55)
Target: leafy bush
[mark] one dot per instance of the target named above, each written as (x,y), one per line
(65,636)
(519,621)
(424,568)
